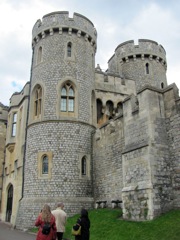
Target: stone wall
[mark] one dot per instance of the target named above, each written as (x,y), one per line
(108,143)
(172,105)
(67,142)
(3,128)
(174,133)
(15,146)
(146,158)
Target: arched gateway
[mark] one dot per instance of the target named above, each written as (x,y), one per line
(9,203)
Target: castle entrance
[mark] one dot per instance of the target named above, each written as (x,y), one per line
(9,203)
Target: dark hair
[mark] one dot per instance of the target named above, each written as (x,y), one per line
(84,213)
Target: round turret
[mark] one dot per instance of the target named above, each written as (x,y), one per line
(64,49)
(145,63)
(58,149)
(61,22)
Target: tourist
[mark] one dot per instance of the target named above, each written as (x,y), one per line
(84,222)
(46,223)
(60,218)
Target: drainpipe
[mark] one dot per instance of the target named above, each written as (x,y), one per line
(2,177)
(22,194)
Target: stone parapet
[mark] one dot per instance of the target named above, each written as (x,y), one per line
(145,63)
(145,49)
(61,22)
(18,97)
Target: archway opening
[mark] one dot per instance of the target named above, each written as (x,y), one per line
(9,203)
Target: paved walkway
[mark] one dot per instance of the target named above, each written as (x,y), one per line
(8,233)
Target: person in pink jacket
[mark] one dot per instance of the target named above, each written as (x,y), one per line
(60,217)
(47,225)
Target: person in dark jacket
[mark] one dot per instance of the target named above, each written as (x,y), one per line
(84,222)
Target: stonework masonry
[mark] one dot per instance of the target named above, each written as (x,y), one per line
(83,136)
(14,155)
(3,127)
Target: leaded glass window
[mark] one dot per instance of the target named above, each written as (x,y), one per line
(38,101)
(45,165)
(71,105)
(14,124)
(67,98)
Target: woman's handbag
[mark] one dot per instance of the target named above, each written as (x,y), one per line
(76,230)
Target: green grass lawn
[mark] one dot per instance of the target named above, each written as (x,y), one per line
(106,224)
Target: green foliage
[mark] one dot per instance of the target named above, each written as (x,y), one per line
(33,230)
(107,224)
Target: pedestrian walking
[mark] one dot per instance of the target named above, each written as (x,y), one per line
(60,218)
(84,223)
(47,225)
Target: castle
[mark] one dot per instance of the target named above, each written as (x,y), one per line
(87,137)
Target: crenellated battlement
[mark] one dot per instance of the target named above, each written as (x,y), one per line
(145,49)
(60,22)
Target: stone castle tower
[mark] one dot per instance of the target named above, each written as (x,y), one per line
(59,134)
(91,137)
(145,63)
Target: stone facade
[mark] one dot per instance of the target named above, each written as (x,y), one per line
(3,129)
(85,136)
(13,173)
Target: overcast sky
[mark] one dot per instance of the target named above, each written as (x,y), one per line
(116,21)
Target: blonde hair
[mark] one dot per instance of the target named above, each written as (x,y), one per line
(46,213)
